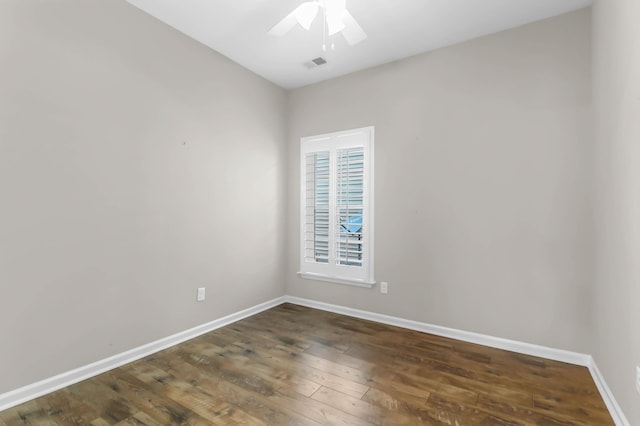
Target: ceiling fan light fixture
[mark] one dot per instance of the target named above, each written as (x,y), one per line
(336,19)
(306,13)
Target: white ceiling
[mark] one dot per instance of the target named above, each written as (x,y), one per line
(396,29)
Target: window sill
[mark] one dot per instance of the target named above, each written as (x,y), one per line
(337,280)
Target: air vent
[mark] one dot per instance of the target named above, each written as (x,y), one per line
(319,61)
(314,63)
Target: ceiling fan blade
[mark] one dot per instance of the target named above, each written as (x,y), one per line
(284,26)
(334,10)
(335,23)
(352,31)
(306,13)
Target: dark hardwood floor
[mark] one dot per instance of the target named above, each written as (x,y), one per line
(295,365)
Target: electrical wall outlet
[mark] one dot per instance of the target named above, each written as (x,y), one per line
(638,379)
(384,287)
(201,294)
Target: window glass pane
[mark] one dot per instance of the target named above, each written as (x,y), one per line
(349,237)
(349,200)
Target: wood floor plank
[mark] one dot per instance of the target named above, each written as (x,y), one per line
(392,401)
(457,393)
(293,365)
(61,407)
(268,367)
(330,353)
(530,415)
(336,368)
(157,407)
(362,409)
(265,330)
(243,397)
(288,362)
(318,411)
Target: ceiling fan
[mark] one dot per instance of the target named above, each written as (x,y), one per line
(336,16)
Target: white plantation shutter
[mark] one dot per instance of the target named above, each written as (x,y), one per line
(336,207)
(316,220)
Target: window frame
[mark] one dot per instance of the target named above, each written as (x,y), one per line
(333,271)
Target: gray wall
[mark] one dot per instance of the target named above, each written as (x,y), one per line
(616,91)
(108,222)
(483,183)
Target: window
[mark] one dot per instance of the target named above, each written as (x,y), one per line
(336,207)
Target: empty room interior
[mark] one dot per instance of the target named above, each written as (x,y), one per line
(410,212)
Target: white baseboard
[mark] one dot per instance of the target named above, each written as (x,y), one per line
(611,403)
(35,390)
(467,336)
